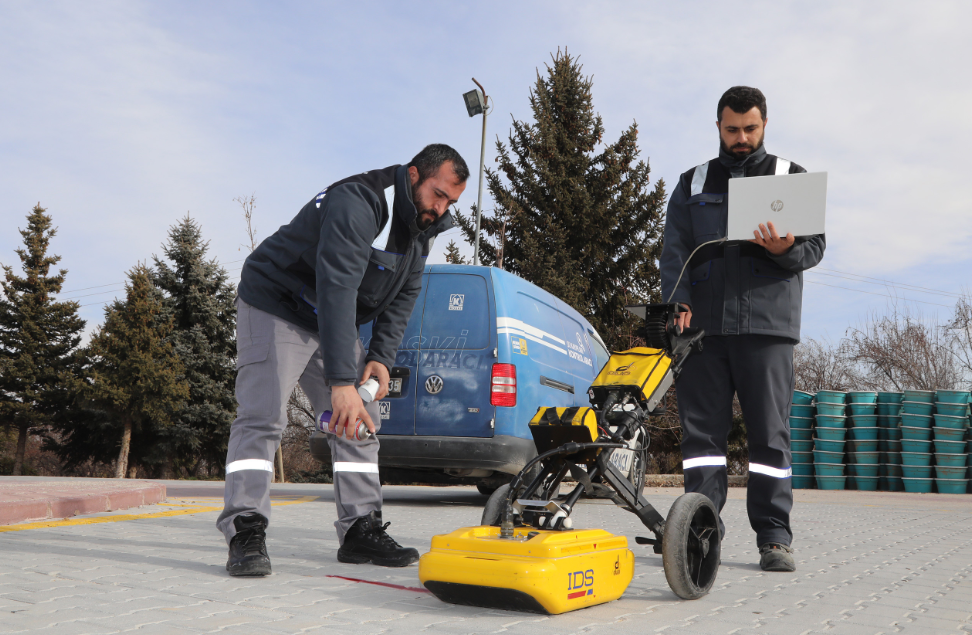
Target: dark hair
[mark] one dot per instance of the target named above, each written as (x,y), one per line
(431,158)
(742,99)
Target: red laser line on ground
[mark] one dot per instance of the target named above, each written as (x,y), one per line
(386,584)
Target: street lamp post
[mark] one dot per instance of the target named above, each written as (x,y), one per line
(477,103)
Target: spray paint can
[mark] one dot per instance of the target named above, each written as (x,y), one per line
(367,392)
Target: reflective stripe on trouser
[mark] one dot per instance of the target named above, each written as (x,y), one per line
(273,356)
(759,369)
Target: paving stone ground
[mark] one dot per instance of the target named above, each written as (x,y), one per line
(868,563)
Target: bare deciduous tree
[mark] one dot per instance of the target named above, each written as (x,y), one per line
(248,203)
(301,424)
(902,350)
(959,333)
(823,365)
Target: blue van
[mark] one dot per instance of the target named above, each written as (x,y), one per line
(482,351)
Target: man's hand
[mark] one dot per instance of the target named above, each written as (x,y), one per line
(346,409)
(771,240)
(377,369)
(684,320)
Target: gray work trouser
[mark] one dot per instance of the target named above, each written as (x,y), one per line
(273,356)
(759,370)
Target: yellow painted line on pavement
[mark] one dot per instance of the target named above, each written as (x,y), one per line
(180,505)
(97,520)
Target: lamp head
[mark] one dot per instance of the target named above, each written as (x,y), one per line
(475,104)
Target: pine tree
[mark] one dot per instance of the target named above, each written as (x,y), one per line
(137,378)
(39,336)
(586,227)
(200,301)
(452,255)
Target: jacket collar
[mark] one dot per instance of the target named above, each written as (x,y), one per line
(734,164)
(404,207)
(406,210)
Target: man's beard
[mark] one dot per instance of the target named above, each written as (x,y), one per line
(420,209)
(741,150)
(426,222)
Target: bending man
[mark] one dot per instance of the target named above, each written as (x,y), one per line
(354,254)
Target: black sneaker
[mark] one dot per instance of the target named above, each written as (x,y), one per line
(248,548)
(367,541)
(774,556)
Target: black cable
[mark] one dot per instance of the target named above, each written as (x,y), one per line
(687,261)
(567,448)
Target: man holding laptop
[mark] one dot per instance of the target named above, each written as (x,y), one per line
(747,295)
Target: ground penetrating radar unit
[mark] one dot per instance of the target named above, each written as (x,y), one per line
(527,556)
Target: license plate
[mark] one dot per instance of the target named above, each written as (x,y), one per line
(621,459)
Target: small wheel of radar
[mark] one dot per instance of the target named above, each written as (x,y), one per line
(691,546)
(494,506)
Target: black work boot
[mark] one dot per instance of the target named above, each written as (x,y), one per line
(367,541)
(248,548)
(774,556)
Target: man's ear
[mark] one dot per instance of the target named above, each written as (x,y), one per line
(413,175)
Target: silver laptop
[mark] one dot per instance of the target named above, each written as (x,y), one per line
(795,203)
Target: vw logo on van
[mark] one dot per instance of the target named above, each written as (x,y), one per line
(776,205)
(433,385)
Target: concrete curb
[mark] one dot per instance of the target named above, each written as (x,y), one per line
(677,480)
(44,500)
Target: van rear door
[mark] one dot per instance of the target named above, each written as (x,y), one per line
(397,410)
(456,358)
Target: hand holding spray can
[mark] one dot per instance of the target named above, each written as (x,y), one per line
(367,392)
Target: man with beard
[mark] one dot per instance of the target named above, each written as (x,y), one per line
(354,254)
(747,296)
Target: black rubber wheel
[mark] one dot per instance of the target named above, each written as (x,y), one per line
(691,546)
(638,469)
(494,506)
(485,489)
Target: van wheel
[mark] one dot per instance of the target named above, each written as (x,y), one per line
(485,489)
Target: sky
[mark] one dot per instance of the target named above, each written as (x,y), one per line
(122,117)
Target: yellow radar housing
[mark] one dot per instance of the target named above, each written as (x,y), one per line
(553,427)
(641,371)
(537,571)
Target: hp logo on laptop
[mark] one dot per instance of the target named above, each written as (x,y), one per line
(433,385)
(776,205)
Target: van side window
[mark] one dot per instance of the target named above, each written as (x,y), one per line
(456,312)
(599,351)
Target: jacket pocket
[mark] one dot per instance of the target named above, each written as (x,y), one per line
(701,273)
(706,293)
(770,290)
(708,212)
(379,277)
